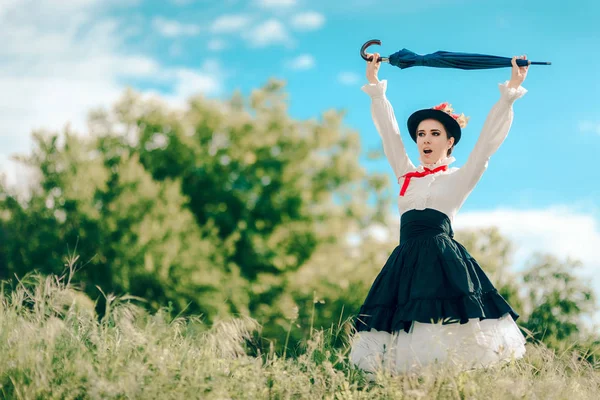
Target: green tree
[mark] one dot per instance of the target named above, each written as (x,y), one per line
(217,204)
(132,234)
(558,300)
(274,188)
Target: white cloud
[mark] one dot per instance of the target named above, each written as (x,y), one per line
(10,172)
(308,21)
(348,78)
(191,82)
(276,3)
(61,59)
(377,232)
(268,33)
(264,33)
(557,230)
(231,23)
(6,5)
(302,62)
(55,72)
(216,44)
(390,7)
(170,28)
(590,126)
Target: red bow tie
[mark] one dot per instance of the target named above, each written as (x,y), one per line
(418,174)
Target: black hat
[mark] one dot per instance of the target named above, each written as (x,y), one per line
(441,113)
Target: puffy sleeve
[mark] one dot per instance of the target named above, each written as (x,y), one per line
(495,130)
(387,126)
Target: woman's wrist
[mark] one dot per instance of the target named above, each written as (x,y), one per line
(513,85)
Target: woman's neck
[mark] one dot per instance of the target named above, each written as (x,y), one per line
(437,163)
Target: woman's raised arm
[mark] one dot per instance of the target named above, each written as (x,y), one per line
(385,120)
(495,129)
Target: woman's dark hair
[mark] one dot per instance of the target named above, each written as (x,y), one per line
(451,148)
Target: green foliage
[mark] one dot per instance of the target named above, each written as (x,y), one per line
(213,209)
(133,233)
(558,300)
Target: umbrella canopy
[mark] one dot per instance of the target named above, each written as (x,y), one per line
(446,59)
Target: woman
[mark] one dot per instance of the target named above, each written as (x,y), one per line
(432,302)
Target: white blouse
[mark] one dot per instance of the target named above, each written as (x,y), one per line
(445,191)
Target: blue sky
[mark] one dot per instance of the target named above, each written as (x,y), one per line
(60,59)
(557,125)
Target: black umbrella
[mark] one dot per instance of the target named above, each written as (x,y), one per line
(446,59)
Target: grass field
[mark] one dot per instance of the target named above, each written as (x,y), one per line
(52,346)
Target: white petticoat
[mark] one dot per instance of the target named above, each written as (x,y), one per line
(471,345)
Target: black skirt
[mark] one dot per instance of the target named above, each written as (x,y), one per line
(429,278)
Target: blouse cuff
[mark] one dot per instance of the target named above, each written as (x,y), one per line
(375,90)
(511,94)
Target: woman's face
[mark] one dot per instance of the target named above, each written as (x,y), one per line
(432,141)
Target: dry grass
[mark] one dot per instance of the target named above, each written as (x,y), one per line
(53,347)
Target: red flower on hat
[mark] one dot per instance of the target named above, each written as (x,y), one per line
(447,108)
(440,107)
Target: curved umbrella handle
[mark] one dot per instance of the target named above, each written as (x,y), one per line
(366,45)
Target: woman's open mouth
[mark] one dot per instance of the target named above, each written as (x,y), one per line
(427,151)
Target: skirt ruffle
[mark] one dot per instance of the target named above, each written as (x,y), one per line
(475,344)
(489,305)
